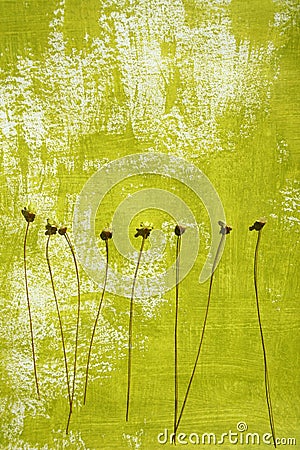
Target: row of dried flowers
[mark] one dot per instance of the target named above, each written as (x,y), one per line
(143,232)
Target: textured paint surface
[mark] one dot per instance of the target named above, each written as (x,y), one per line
(85,82)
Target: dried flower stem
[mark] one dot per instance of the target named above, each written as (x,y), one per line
(77,329)
(203,331)
(29,313)
(59,317)
(267,385)
(178,247)
(130,328)
(95,324)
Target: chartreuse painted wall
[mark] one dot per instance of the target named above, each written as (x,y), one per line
(84,83)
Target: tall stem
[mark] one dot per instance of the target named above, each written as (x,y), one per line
(203,331)
(267,385)
(95,324)
(130,330)
(178,246)
(59,317)
(29,313)
(77,329)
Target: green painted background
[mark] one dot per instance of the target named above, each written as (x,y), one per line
(86,82)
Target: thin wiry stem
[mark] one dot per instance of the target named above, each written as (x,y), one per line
(59,318)
(267,385)
(77,330)
(95,324)
(130,330)
(178,247)
(29,313)
(203,331)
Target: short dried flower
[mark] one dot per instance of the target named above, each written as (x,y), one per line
(50,229)
(179,230)
(28,215)
(106,234)
(225,229)
(258,225)
(62,231)
(144,230)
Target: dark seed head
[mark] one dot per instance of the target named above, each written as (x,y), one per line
(62,231)
(179,230)
(144,230)
(258,225)
(28,215)
(50,229)
(106,234)
(225,229)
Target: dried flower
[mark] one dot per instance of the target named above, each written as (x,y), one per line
(225,229)
(144,230)
(50,229)
(258,225)
(106,234)
(179,230)
(28,215)
(62,231)
(58,312)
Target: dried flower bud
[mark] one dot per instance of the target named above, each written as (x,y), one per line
(28,215)
(179,230)
(50,229)
(62,231)
(258,225)
(144,230)
(106,234)
(225,229)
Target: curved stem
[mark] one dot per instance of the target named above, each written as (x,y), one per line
(203,331)
(95,324)
(178,246)
(77,329)
(29,313)
(69,417)
(130,330)
(267,385)
(59,317)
